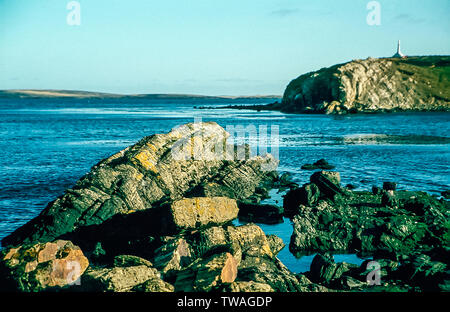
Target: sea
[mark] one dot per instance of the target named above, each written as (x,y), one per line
(46,145)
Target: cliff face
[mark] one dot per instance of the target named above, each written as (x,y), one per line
(373,85)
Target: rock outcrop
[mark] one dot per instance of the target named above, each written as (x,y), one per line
(372,85)
(162,167)
(41,266)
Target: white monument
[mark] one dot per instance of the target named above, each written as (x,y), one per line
(399,52)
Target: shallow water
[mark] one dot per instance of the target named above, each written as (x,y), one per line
(47,145)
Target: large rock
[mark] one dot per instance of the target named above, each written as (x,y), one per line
(193,213)
(307,195)
(124,279)
(162,166)
(328,183)
(41,266)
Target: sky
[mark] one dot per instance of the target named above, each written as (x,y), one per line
(209,47)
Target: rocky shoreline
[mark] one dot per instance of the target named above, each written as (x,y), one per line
(149,220)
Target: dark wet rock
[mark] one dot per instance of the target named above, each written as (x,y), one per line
(43,266)
(421,271)
(366,223)
(350,186)
(162,166)
(325,271)
(321,228)
(376,190)
(259,213)
(320,164)
(307,195)
(328,183)
(446,194)
(389,186)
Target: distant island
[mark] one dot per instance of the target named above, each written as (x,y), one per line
(31,93)
(373,85)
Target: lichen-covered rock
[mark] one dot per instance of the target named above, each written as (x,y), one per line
(124,279)
(208,273)
(193,213)
(372,85)
(162,166)
(276,244)
(43,266)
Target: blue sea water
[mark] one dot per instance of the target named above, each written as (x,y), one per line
(47,145)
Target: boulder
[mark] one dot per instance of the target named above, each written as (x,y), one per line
(325,271)
(259,213)
(389,186)
(159,167)
(124,279)
(192,213)
(42,266)
(307,195)
(276,244)
(328,183)
(320,164)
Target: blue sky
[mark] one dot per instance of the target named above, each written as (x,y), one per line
(211,47)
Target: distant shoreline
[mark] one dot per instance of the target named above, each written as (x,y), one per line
(32,93)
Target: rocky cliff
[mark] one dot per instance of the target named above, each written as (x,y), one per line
(372,85)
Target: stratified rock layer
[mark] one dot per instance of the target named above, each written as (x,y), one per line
(162,167)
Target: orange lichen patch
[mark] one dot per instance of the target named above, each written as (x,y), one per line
(147,161)
(152,147)
(48,252)
(229,270)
